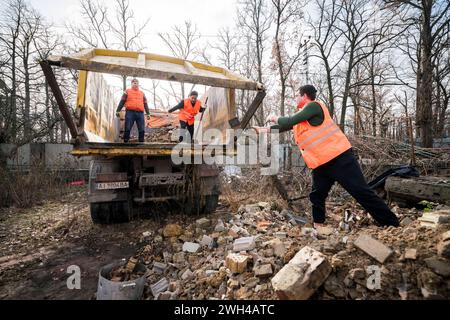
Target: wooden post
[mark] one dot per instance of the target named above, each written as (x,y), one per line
(63,108)
(411,139)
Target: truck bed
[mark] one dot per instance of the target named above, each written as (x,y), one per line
(143,149)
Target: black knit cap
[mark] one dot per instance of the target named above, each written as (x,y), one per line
(309,90)
(194,93)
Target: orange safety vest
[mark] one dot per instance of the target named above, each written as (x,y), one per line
(188,113)
(320,144)
(135,100)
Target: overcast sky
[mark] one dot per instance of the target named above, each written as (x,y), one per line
(208,15)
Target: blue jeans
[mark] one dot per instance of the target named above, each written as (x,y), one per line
(130,118)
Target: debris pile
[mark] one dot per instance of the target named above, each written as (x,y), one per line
(126,272)
(260,252)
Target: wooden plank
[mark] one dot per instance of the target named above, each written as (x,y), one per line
(252,109)
(63,108)
(415,190)
(122,70)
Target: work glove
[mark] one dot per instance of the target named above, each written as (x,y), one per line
(272,119)
(148,116)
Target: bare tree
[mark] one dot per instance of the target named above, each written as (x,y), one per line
(431,18)
(12,18)
(325,38)
(227,47)
(94,30)
(30,27)
(365,31)
(254,16)
(125,30)
(182,42)
(287,14)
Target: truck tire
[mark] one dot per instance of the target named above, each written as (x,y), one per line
(211,203)
(198,206)
(111,212)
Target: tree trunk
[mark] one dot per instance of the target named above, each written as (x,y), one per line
(27,102)
(425,88)
(330,88)
(346,90)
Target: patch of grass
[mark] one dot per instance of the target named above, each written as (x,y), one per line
(26,188)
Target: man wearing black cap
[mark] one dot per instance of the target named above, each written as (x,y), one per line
(189,108)
(327,151)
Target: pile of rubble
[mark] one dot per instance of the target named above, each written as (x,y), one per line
(262,253)
(126,272)
(159,135)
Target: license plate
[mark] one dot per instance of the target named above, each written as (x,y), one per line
(113,185)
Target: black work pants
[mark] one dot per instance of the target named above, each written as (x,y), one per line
(345,170)
(185,130)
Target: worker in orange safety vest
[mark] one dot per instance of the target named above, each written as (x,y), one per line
(189,108)
(329,154)
(135,103)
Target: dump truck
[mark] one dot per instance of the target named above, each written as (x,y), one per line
(126,177)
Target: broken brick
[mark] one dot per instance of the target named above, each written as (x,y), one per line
(373,248)
(411,254)
(263,271)
(237,263)
(172,230)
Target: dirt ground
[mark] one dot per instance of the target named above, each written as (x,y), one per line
(37,246)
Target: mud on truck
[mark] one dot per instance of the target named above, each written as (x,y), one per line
(124,177)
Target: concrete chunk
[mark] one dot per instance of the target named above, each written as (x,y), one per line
(244,244)
(278,247)
(188,274)
(441,267)
(207,241)
(263,271)
(191,247)
(443,249)
(159,267)
(159,287)
(433,219)
(237,263)
(302,276)
(220,226)
(203,223)
(373,248)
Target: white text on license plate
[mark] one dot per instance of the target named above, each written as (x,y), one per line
(113,185)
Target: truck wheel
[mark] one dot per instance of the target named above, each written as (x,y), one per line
(211,203)
(196,206)
(111,212)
